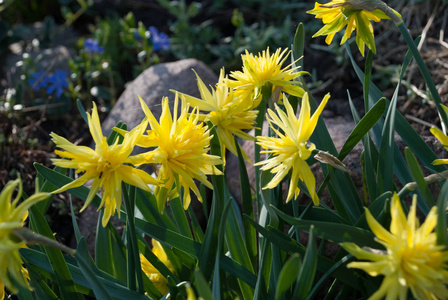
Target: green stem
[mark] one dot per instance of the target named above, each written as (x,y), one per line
(424,71)
(31,237)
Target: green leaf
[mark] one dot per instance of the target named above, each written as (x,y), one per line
(298,46)
(288,275)
(82,111)
(335,232)
(362,127)
(180,217)
(193,248)
(115,288)
(135,273)
(104,256)
(417,174)
(327,274)
(308,269)
(209,247)
(369,158)
(202,285)
(237,248)
(60,180)
(82,256)
(407,133)
(248,209)
(442,202)
(291,246)
(62,276)
(367,79)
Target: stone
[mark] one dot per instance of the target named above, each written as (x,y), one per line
(154,84)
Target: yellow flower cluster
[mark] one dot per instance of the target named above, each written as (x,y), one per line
(12,217)
(178,145)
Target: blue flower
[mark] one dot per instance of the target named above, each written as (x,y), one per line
(92,46)
(38,80)
(57,82)
(160,41)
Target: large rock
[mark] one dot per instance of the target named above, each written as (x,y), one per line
(154,84)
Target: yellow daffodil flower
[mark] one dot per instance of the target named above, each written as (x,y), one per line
(107,165)
(12,217)
(182,145)
(160,282)
(261,70)
(228,114)
(290,149)
(338,14)
(412,259)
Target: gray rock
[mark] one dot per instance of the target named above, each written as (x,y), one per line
(154,84)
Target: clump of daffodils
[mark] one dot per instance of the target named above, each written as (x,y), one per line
(412,259)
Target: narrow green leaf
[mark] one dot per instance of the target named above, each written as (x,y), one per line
(62,274)
(193,248)
(180,218)
(202,285)
(337,233)
(82,111)
(248,209)
(288,275)
(113,136)
(403,128)
(362,127)
(327,274)
(74,222)
(291,246)
(424,71)
(209,247)
(370,157)
(115,288)
(367,80)
(82,256)
(135,273)
(385,169)
(216,286)
(196,226)
(417,174)
(104,256)
(308,269)
(238,251)
(442,202)
(298,46)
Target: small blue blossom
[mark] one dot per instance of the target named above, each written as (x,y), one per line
(92,46)
(38,80)
(57,82)
(160,41)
